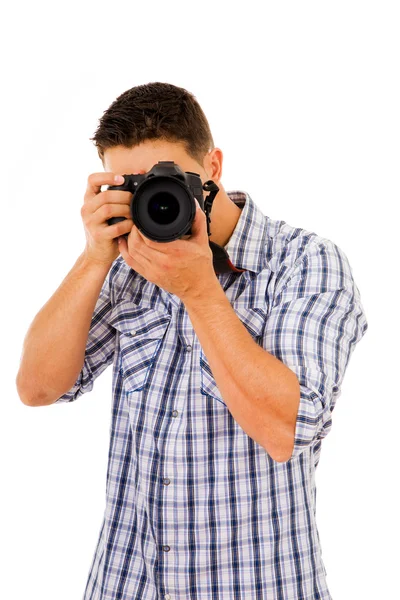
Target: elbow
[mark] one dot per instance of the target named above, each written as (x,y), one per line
(25,399)
(283,455)
(25,392)
(20,390)
(283,452)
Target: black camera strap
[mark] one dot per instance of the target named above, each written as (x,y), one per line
(221,261)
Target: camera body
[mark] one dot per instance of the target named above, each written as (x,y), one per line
(163,206)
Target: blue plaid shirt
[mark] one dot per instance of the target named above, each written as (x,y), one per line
(195,508)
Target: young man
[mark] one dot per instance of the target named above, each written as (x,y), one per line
(223,383)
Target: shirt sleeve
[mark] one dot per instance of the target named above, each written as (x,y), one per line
(315,321)
(100,346)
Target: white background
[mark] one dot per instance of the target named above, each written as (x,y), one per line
(303,99)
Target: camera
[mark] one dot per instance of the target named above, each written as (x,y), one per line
(163,206)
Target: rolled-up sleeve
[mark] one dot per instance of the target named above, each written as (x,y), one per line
(100,345)
(315,321)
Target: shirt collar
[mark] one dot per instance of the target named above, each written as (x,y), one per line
(246,246)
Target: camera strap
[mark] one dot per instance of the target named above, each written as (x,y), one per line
(221,261)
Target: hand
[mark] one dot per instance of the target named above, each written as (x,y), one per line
(101,238)
(181,267)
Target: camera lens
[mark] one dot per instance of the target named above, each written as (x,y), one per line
(163,208)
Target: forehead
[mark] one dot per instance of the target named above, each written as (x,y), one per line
(143,156)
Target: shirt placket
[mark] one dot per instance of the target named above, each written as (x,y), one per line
(172,485)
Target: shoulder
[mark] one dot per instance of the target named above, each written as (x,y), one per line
(289,247)
(302,262)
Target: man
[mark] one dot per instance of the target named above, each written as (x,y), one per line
(223,383)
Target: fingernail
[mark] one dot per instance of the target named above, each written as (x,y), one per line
(119,179)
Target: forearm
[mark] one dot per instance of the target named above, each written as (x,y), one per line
(54,346)
(260,391)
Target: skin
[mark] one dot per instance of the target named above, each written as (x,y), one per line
(141,158)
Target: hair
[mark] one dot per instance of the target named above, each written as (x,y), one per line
(155,111)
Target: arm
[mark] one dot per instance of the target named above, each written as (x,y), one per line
(283,394)
(54,346)
(261,392)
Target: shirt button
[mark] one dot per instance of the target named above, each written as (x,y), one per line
(166,481)
(133,332)
(166,548)
(174,413)
(167,597)
(189,348)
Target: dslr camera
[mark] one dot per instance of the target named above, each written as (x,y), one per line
(163,206)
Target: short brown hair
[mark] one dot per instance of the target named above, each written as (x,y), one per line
(155,111)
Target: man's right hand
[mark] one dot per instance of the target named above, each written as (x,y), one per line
(101,238)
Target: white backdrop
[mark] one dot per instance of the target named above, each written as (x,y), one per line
(303,99)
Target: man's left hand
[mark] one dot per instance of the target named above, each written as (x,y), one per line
(181,267)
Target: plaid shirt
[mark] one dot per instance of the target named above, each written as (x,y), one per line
(195,508)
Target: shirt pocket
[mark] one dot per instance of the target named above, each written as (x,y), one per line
(141,332)
(254,320)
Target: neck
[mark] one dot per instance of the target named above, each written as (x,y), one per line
(223,218)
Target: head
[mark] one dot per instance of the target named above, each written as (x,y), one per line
(160,121)
(157,121)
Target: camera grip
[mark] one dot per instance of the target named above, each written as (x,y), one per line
(114,220)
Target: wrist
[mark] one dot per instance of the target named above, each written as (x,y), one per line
(205,295)
(88,263)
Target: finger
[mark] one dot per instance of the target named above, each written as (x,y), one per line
(130,260)
(122,246)
(136,249)
(122,228)
(96,180)
(162,247)
(107,211)
(137,242)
